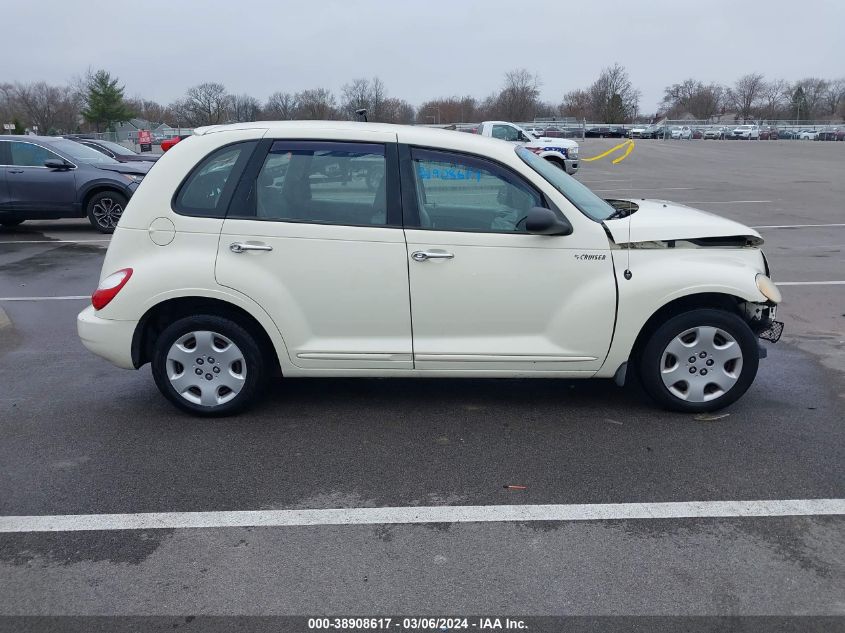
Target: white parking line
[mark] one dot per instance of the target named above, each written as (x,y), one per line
(67,298)
(796,226)
(51,241)
(424,514)
(810,283)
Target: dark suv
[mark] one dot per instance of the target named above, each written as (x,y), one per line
(45,178)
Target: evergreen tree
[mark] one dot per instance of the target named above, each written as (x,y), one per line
(799,105)
(104,101)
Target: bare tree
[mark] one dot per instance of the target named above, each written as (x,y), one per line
(774,98)
(317,103)
(835,95)
(51,108)
(281,106)
(449,110)
(577,104)
(149,110)
(244,108)
(518,99)
(396,111)
(364,94)
(354,96)
(745,94)
(693,97)
(205,104)
(614,98)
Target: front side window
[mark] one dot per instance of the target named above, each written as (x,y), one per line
(322,182)
(461,193)
(207,190)
(29,155)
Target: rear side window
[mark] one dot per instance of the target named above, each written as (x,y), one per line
(208,188)
(322,182)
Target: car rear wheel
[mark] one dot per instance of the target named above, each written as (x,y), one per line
(557,162)
(701,360)
(208,365)
(104,210)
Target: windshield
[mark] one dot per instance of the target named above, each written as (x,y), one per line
(577,193)
(81,153)
(116,148)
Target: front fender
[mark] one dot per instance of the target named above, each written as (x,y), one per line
(660,276)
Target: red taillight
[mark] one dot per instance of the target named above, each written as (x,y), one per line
(109,287)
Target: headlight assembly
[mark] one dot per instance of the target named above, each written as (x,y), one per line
(768,288)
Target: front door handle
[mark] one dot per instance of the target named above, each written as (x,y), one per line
(240,247)
(16,171)
(422,256)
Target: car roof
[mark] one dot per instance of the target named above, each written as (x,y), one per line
(29,137)
(412,134)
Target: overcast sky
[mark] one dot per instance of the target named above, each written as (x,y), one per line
(420,49)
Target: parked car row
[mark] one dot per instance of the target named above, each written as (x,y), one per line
(747,131)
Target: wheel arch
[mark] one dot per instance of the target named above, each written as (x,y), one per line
(159,316)
(679,305)
(101,188)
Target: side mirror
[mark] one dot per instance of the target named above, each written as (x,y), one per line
(542,221)
(56,163)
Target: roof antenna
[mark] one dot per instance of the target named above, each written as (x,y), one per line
(628,274)
(362,112)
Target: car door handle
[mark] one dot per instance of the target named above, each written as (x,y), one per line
(16,171)
(422,256)
(240,247)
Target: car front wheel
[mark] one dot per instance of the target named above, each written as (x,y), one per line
(104,210)
(208,365)
(698,361)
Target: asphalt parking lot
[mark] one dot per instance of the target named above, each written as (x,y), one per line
(81,437)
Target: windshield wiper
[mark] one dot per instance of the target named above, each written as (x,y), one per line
(621,208)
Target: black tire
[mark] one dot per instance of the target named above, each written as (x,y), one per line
(557,162)
(104,210)
(255,364)
(11,223)
(649,362)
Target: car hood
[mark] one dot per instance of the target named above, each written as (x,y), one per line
(135,167)
(548,141)
(140,158)
(661,220)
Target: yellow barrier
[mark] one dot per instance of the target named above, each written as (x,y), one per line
(630,148)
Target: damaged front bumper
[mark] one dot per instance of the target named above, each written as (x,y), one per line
(761,319)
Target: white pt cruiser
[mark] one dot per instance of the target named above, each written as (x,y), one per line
(355,249)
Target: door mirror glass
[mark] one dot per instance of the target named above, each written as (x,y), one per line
(543,221)
(56,163)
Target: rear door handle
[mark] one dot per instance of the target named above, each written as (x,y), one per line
(16,171)
(422,256)
(240,247)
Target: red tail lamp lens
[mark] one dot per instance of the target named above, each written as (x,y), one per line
(109,287)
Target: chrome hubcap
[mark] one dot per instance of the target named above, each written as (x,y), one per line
(206,368)
(107,212)
(701,364)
